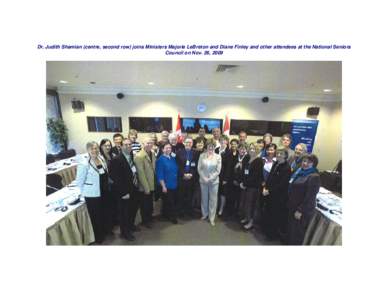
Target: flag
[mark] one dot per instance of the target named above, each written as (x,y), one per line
(178,130)
(227,125)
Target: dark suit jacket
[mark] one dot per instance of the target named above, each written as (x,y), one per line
(277,181)
(181,161)
(177,147)
(253,177)
(302,194)
(224,165)
(122,175)
(231,161)
(237,174)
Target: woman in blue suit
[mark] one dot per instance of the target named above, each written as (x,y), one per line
(92,179)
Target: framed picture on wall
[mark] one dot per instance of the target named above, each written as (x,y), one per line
(150,124)
(104,124)
(192,125)
(260,127)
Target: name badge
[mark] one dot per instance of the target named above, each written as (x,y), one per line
(133,169)
(193,164)
(187,163)
(246,172)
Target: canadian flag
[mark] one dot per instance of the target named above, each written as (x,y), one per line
(227,125)
(178,130)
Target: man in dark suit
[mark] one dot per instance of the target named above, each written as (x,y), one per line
(187,160)
(123,173)
(118,141)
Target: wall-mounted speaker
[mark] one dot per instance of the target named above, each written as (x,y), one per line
(313,111)
(120,95)
(265,99)
(77,105)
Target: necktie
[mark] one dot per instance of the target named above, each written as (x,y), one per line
(134,177)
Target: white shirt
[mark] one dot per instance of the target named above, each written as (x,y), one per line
(268,164)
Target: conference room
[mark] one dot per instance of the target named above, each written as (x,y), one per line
(116,124)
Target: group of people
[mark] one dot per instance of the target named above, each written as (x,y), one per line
(258,184)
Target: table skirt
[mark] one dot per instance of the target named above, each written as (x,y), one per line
(74,229)
(68,175)
(322,231)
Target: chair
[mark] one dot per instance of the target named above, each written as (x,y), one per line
(331,181)
(71,153)
(53,183)
(66,154)
(338,168)
(50,159)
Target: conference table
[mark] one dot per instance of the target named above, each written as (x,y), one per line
(325,227)
(67,223)
(66,168)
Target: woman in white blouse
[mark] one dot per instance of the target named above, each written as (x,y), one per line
(209,168)
(92,179)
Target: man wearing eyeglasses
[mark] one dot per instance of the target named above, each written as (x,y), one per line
(124,176)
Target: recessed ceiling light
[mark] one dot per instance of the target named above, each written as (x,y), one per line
(92,82)
(327,90)
(151,83)
(63,81)
(240,86)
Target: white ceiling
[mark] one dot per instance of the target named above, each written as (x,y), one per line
(286,79)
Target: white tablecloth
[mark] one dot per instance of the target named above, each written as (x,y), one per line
(72,227)
(333,203)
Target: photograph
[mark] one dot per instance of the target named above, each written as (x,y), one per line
(199,153)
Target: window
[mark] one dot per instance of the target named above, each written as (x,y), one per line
(152,124)
(259,127)
(104,124)
(53,110)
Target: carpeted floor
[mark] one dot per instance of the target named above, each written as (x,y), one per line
(193,231)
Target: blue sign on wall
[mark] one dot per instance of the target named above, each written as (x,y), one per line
(304,131)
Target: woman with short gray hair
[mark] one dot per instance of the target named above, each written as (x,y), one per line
(175,146)
(92,179)
(303,188)
(286,141)
(296,160)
